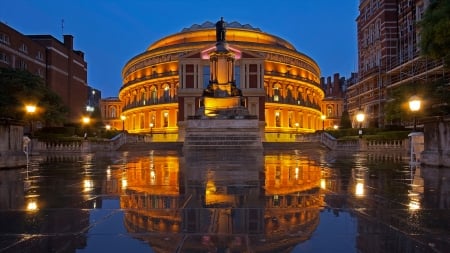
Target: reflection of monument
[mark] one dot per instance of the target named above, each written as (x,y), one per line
(206,202)
(222,121)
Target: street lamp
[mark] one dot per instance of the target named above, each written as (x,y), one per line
(86,120)
(151,129)
(414,106)
(323,117)
(360,118)
(123,117)
(30,109)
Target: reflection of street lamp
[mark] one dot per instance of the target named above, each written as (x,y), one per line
(323,117)
(123,117)
(414,106)
(151,129)
(360,118)
(31,109)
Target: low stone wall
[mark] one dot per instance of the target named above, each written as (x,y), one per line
(11,153)
(360,144)
(436,141)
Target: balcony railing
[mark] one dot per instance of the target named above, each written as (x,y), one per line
(147,102)
(292,101)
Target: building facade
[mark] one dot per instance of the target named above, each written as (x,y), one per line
(388,56)
(162,86)
(63,69)
(333,102)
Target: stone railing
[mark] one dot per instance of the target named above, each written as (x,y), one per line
(356,145)
(77,146)
(379,145)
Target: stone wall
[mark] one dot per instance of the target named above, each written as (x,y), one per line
(436,141)
(11,134)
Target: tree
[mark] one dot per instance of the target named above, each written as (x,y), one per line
(435,31)
(345,120)
(435,101)
(19,88)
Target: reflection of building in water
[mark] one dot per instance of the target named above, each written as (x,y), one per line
(221,200)
(151,194)
(292,200)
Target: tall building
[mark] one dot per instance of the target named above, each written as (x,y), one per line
(333,102)
(63,69)
(388,56)
(162,87)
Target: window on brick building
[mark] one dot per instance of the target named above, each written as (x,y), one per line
(4,38)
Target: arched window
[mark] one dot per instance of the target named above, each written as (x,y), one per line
(112,112)
(166,94)
(154,99)
(143,102)
(330,111)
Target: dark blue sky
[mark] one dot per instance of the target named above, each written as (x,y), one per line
(111,32)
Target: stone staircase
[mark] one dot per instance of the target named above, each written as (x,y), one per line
(146,146)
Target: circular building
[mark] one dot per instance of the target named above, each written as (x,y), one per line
(162,87)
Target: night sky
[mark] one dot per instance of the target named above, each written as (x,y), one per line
(111,32)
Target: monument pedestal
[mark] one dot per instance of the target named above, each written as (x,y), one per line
(210,134)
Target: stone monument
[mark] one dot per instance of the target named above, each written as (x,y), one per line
(222,121)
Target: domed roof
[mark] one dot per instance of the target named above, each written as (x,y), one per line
(209,25)
(206,33)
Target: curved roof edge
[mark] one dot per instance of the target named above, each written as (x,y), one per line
(209,25)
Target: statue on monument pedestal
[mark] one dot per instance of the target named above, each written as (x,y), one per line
(220,30)
(222,98)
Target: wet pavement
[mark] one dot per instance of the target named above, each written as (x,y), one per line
(224,201)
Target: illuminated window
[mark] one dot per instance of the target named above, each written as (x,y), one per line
(166,119)
(166,94)
(154,96)
(277,119)
(143,102)
(276,94)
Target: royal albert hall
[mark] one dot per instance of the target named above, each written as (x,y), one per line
(162,87)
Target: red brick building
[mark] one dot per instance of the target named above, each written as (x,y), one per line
(388,56)
(63,68)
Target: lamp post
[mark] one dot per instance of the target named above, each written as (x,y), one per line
(323,117)
(30,109)
(414,106)
(86,120)
(360,118)
(123,117)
